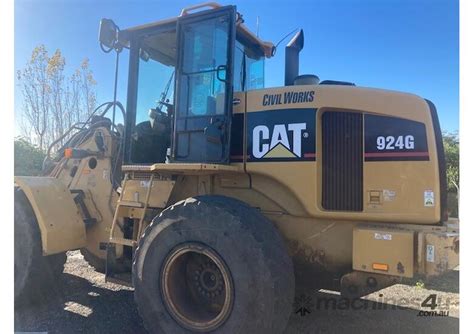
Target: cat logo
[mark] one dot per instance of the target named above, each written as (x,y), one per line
(277,136)
(272,144)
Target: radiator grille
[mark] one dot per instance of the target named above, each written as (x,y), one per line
(342,151)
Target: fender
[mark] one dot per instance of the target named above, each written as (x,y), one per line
(58,217)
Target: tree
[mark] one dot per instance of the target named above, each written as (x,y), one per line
(36,93)
(88,82)
(59,98)
(451,151)
(28,158)
(53,101)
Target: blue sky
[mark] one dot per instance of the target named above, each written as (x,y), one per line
(404,45)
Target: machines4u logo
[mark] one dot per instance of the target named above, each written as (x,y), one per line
(281,135)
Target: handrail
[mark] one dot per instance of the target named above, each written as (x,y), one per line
(186,10)
(48,153)
(74,126)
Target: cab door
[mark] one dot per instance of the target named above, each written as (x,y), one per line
(204,76)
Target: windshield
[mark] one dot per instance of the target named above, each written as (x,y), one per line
(152,128)
(154,86)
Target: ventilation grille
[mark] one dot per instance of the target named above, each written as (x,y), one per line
(342,152)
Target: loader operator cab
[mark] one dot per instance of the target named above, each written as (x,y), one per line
(182,75)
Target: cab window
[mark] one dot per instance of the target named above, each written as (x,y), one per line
(151,132)
(248,69)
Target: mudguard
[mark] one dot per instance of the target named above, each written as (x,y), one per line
(58,217)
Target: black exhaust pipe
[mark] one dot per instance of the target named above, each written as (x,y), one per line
(292,57)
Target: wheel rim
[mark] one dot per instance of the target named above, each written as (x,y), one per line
(197,287)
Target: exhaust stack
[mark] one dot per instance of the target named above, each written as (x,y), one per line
(292,57)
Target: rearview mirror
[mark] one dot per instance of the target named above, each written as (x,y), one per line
(108,33)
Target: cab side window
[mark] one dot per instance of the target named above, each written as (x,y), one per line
(248,69)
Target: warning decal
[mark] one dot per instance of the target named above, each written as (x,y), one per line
(429,198)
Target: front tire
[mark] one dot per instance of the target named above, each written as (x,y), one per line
(94,261)
(212,263)
(36,276)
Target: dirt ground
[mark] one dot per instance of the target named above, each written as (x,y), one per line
(89,305)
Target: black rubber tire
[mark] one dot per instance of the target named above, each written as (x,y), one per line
(256,256)
(97,263)
(36,276)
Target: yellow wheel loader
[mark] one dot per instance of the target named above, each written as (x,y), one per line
(217,198)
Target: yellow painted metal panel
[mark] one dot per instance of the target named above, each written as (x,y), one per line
(374,250)
(59,220)
(405,181)
(440,252)
(135,191)
(192,168)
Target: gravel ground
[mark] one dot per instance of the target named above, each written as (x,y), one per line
(90,305)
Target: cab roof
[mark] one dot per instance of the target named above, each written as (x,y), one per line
(162,46)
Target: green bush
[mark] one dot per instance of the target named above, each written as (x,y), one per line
(28,158)
(451,151)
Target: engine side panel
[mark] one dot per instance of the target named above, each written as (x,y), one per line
(284,143)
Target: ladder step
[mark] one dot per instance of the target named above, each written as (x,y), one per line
(122,241)
(130,203)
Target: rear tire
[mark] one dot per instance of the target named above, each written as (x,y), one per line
(213,264)
(36,276)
